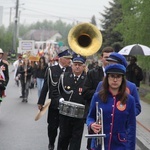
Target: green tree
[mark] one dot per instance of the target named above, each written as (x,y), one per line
(93,20)
(135,22)
(112,16)
(135,27)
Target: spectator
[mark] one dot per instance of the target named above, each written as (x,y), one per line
(134,72)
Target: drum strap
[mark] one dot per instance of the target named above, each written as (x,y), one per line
(61,81)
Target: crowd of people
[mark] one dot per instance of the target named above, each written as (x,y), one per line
(74,92)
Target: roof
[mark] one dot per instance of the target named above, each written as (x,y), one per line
(41,35)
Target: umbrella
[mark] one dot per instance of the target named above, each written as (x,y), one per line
(135,49)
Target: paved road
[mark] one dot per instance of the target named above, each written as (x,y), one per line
(18,130)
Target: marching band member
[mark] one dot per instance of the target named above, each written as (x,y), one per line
(70,89)
(25,70)
(94,76)
(119,119)
(116,58)
(4,75)
(50,85)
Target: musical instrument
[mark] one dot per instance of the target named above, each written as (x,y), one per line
(25,74)
(71,109)
(85,39)
(100,136)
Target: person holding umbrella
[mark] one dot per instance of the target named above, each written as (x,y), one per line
(134,72)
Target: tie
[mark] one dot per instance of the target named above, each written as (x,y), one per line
(75,79)
(63,69)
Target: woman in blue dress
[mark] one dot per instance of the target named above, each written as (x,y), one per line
(119,119)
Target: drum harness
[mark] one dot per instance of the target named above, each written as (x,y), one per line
(61,81)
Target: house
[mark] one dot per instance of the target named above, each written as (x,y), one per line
(42,35)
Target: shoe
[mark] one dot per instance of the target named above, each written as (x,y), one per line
(50,147)
(25,100)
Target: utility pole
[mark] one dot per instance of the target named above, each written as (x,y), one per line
(15,27)
(10,15)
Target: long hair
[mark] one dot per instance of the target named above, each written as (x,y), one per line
(40,64)
(122,95)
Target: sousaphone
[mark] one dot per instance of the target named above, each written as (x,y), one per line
(85,39)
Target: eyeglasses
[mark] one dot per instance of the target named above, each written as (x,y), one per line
(115,76)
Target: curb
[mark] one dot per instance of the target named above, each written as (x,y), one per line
(142,137)
(141,144)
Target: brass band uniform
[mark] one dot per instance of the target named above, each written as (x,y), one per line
(119,120)
(50,85)
(71,123)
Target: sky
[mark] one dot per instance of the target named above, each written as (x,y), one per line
(68,11)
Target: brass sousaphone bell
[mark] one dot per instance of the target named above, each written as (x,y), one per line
(85,39)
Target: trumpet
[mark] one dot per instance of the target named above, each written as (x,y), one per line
(100,136)
(99,120)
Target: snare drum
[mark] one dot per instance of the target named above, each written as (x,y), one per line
(71,109)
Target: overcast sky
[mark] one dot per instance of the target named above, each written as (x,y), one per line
(69,11)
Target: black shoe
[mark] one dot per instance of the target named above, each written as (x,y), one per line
(50,147)
(21,96)
(25,100)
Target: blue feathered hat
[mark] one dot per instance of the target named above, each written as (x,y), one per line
(115,69)
(118,58)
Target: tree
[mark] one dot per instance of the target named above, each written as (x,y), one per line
(112,16)
(93,20)
(135,22)
(135,27)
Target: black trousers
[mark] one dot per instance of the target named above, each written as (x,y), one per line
(71,130)
(25,88)
(53,123)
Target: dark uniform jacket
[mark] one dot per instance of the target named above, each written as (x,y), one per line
(134,74)
(92,79)
(6,72)
(51,84)
(70,90)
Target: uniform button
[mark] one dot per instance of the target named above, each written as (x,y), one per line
(111,114)
(111,124)
(112,105)
(110,133)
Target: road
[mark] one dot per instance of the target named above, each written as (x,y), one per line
(18,130)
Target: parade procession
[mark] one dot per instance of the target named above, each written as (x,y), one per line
(77,86)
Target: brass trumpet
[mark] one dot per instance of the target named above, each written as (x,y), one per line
(100,136)
(99,120)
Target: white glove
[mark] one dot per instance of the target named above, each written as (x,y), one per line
(61,100)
